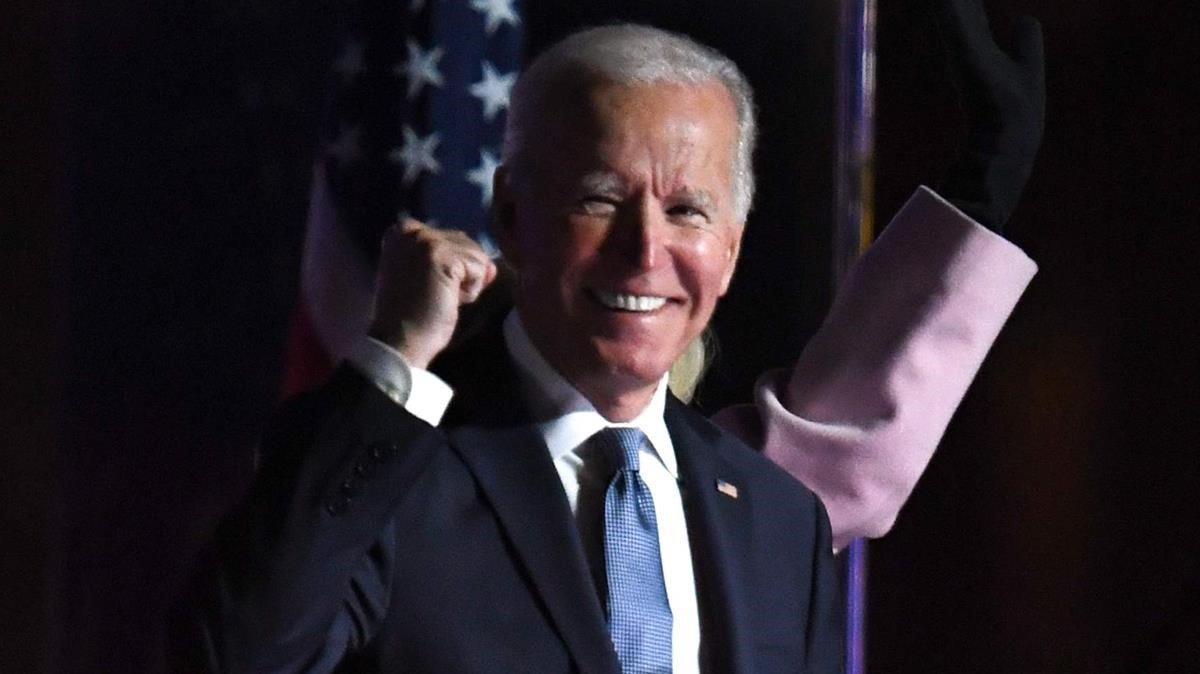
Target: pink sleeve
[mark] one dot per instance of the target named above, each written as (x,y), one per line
(859,416)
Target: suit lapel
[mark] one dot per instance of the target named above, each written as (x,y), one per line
(491,431)
(518,479)
(514,470)
(718,528)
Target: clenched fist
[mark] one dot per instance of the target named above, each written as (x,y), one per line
(425,275)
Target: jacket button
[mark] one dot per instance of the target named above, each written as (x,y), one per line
(364,468)
(337,505)
(382,450)
(352,486)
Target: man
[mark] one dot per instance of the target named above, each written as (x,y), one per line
(372,540)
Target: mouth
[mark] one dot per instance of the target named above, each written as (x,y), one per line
(628,302)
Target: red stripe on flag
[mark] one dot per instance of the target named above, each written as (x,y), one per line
(307,364)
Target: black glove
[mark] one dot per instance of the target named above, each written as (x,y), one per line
(1004,101)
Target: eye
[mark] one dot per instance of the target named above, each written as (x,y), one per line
(688,214)
(597,204)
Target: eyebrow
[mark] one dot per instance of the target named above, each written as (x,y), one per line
(602,182)
(701,198)
(605,182)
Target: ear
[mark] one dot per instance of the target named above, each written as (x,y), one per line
(731,255)
(504,215)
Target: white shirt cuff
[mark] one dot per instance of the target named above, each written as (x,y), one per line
(420,392)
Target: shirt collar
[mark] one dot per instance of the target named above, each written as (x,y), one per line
(567,418)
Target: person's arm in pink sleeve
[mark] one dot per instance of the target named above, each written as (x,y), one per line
(860,414)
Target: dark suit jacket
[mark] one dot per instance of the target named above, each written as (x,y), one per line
(372,541)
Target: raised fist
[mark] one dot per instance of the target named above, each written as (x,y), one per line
(425,276)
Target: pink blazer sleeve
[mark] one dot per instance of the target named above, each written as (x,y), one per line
(858,417)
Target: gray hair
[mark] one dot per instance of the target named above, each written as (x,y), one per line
(631,54)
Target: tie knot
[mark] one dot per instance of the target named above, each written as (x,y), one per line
(620,446)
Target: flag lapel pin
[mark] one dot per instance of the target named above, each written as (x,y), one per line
(727,489)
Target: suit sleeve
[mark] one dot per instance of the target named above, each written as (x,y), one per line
(300,572)
(860,414)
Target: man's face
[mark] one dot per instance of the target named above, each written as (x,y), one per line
(623,230)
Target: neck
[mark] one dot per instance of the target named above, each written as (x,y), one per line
(617,407)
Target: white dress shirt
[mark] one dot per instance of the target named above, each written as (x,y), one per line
(570,419)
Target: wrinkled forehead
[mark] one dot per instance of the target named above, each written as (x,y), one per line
(578,118)
(578,99)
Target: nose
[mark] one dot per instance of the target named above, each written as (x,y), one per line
(643,235)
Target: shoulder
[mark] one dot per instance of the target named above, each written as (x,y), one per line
(705,441)
(780,527)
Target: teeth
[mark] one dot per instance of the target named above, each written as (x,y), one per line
(630,302)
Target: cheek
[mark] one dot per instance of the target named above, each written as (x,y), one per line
(706,270)
(558,256)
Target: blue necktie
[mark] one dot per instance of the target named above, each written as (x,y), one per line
(639,617)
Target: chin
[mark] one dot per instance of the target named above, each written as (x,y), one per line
(636,367)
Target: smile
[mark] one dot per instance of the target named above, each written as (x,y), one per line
(625,302)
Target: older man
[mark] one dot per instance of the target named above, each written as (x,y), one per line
(567,513)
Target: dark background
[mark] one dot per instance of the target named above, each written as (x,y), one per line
(153,198)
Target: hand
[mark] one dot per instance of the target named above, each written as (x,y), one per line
(425,275)
(1004,100)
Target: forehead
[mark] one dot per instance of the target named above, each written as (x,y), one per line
(609,105)
(635,130)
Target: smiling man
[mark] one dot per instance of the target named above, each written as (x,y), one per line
(619,208)
(543,503)
(624,246)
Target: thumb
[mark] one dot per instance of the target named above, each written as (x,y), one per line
(490,273)
(476,277)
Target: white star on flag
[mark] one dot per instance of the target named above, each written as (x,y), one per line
(349,63)
(482,175)
(347,146)
(420,68)
(416,154)
(493,90)
(497,12)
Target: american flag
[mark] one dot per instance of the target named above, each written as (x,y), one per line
(413,127)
